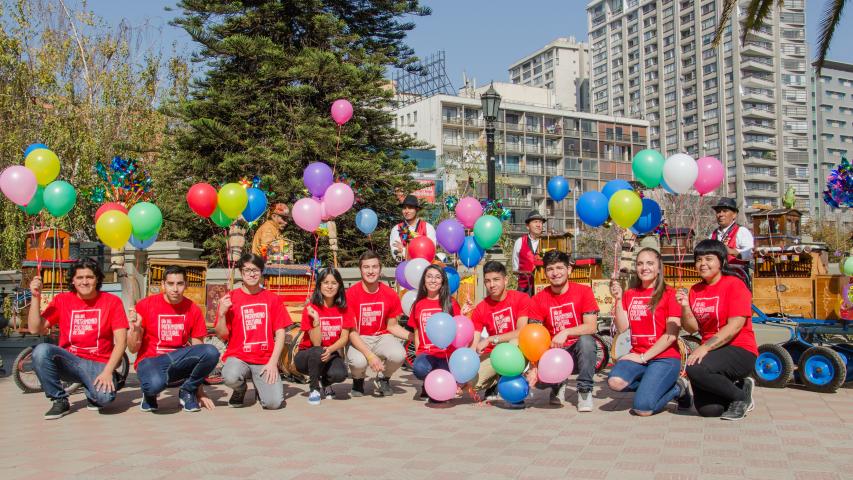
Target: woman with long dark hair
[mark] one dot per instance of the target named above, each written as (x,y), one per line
(720,309)
(649,309)
(326,322)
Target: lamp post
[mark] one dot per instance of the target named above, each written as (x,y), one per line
(491,101)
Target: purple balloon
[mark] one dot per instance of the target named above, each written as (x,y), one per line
(317,177)
(450,235)
(400,274)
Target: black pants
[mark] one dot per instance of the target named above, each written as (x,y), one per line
(713,380)
(332,371)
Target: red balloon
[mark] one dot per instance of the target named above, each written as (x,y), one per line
(202,199)
(107,207)
(422,247)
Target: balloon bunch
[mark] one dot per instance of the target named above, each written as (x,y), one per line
(233,200)
(839,186)
(123,182)
(486,230)
(443,330)
(677,173)
(116,225)
(329,199)
(33,186)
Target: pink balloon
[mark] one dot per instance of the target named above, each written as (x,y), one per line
(555,366)
(440,385)
(306,214)
(711,174)
(464,331)
(323,214)
(341,111)
(19,184)
(338,199)
(468,210)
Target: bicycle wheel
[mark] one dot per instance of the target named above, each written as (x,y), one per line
(121,372)
(602,353)
(26,379)
(215,377)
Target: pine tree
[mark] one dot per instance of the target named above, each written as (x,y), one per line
(261,107)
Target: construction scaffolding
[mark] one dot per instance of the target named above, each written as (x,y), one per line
(422,79)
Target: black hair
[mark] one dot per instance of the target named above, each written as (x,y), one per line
(340,297)
(493,266)
(255,260)
(556,256)
(85,263)
(444,299)
(175,270)
(368,255)
(717,249)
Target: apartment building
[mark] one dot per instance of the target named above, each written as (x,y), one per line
(562,67)
(744,103)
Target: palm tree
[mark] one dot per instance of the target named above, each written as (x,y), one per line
(758,10)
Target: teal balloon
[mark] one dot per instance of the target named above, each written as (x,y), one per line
(36,203)
(507,360)
(59,198)
(487,231)
(221,219)
(145,219)
(647,166)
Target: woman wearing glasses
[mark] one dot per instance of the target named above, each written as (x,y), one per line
(252,320)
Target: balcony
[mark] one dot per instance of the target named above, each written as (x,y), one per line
(571,132)
(553,151)
(533,128)
(514,147)
(554,129)
(758,79)
(452,141)
(758,63)
(514,126)
(553,170)
(533,148)
(537,192)
(511,168)
(758,95)
(768,175)
(452,120)
(760,143)
(474,122)
(758,127)
(758,47)
(765,111)
(533,169)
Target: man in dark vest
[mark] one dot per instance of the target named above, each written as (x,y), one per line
(737,239)
(411,227)
(527,254)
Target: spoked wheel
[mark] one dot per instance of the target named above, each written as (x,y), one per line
(122,371)
(410,354)
(774,367)
(215,377)
(602,352)
(25,377)
(822,369)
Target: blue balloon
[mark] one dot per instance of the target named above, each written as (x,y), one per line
(614,186)
(666,187)
(453,279)
(649,219)
(513,389)
(366,221)
(558,188)
(142,244)
(464,364)
(256,206)
(470,254)
(592,208)
(441,329)
(32,147)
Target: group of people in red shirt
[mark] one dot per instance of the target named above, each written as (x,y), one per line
(359,328)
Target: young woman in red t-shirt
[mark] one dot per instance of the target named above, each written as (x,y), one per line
(326,322)
(652,367)
(720,309)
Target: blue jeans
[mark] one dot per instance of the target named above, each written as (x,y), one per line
(654,382)
(191,364)
(583,356)
(54,364)
(425,363)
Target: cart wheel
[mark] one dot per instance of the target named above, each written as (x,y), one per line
(602,352)
(822,369)
(26,379)
(773,367)
(215,377)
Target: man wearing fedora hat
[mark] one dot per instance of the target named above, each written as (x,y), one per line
(411,227)
(269,239)
(526,255)
(737,239)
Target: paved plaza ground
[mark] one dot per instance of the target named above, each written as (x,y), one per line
(792,433)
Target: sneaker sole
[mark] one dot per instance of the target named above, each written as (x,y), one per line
(93,408)
(356,393)
(56,417)
(732,419)
(313,402)
(147,410)
(584,410)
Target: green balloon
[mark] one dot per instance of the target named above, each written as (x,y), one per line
(59,198)
(221,219)
(36,203)
(146,220)
(487,231)
(507,360)
(847,267)
(648,167)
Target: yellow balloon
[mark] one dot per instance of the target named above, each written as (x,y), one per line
(44,164)
(232,199)
(625,208)
(113,228)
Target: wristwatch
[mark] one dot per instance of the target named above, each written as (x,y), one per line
(494,340)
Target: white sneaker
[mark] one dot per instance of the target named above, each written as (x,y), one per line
(584,401)
(314,397)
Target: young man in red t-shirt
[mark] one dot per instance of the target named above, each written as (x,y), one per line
(502,313)
(570,313)
(252,320)
(168,330)
(375,341)
(92,336)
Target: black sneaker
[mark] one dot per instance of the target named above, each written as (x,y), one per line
(149,403)
(236,400)
(383,385)
(736,411)
(491,393)
(92,406)
(685,399)
(554,396)
(59,409)
(357,387)
(328,393)
(423,395)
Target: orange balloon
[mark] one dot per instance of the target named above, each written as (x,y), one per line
(534,340)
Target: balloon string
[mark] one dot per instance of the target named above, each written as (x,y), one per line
(337,150)
(228,259)
(313,267)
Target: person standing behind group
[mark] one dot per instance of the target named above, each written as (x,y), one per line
(738,239)
(526,252)
(653,366)
(327,323)
(720,309)
(374,342)
(252,320)
(411,227)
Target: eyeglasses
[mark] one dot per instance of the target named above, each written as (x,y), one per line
(251,271)
(433,277)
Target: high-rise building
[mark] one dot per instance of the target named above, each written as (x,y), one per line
(562,67)
(744,103)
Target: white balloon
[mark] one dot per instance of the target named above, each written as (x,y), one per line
(680,172)
(415,270)
(408,301)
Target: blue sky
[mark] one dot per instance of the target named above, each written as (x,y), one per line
(480,37)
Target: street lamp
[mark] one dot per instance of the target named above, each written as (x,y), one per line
(491,101)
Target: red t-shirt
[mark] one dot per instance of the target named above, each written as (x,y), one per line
(713,305)
(167,327)
(252,322)
(500,317)
(332,322)
(86,326)
(372,310)
(559,312)
(645,331)
(421,312)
